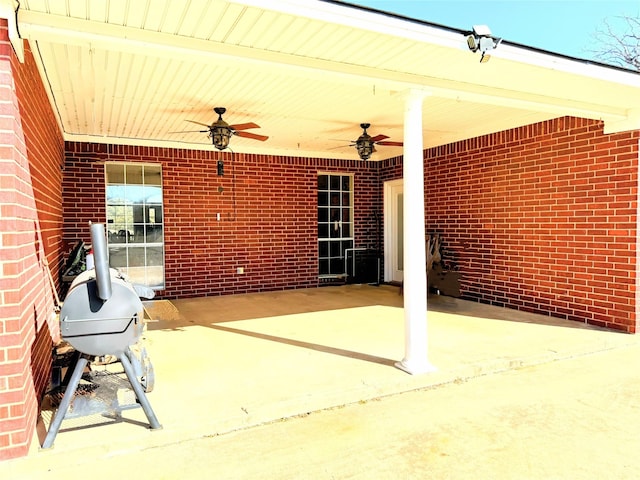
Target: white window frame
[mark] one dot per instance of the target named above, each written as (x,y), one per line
(335,261)
(128,235)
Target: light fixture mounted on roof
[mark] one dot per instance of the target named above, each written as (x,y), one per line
(364,144)
(482,40)
(220,131)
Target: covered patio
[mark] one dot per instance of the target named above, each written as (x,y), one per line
(232,362)
(527,165)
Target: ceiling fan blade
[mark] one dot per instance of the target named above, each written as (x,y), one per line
(199,123)
(191,131)
(391,144)
(244,126)
(378,137)
(341,146)
(253,136)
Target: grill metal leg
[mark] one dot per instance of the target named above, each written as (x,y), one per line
(72,386)
(71,368)
(139,391)
(66,401)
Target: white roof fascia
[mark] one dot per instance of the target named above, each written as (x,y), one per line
(561,63)
(418,30)
(8,11)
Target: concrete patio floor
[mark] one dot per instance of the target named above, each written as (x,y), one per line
(227,363)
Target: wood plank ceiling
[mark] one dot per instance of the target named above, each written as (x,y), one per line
(307,71)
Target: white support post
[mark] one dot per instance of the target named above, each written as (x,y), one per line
(416,359)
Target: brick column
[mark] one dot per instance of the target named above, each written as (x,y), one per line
(26,300)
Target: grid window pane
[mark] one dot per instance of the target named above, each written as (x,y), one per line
(134,222)
(336,265)
(152,175)
(152,195)
(154,256)
(115,174)
(116,194)
(323,267)
(133,174)
(335,222)
(117,257)
(335,249)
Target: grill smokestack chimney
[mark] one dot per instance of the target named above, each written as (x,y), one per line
(101,261)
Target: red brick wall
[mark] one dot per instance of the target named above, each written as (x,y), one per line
(541,218)
(30,234)
(267,205)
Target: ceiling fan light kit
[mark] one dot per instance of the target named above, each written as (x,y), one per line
(220,131)
(365,144)
(220,137)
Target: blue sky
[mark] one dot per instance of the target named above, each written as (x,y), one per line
(565,27)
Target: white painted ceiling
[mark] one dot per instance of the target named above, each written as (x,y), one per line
(307,71)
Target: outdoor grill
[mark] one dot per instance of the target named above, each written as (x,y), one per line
(97,326)
(101,315)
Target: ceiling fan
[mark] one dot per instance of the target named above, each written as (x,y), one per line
(220,131)
(365,144)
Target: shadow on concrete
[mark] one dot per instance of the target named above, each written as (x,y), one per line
(308,345)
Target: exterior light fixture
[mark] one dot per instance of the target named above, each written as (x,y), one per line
(364,144)
(480,39)
(220,132)
(220,137)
